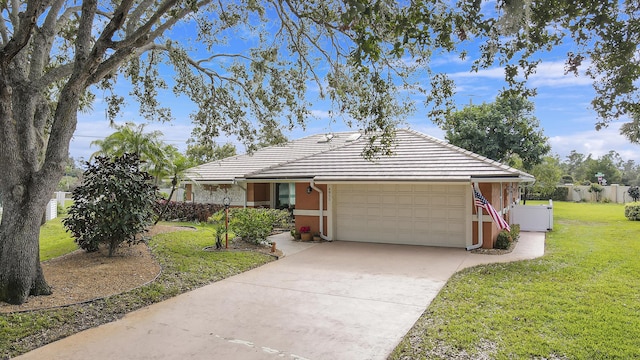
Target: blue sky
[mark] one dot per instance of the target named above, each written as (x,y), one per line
(562,107)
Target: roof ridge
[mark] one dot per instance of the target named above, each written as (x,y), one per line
(467,152)
(274,166)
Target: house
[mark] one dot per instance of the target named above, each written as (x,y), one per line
(422,195)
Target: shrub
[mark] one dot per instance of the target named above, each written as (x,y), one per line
(255,225)
(634,192)
(567,179)
(185,211)
(515,232)
(632,211)
(61,210)
(561,193)
(596,189)
(504,240)
(219,226)
(113,204)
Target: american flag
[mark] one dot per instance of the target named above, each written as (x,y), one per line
(483,203)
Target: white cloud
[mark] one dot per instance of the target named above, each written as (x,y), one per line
(548,74)
(552,74)
(493,73)
(320,114)
(596,143)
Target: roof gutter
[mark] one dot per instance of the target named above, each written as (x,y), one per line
(321,195)
(503,179)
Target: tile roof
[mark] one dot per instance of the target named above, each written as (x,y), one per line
(417,157)
(226,170)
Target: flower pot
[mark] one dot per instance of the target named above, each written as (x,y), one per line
(305,236)
(317,238)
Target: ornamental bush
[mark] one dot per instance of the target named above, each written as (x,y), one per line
(632,211)
(219,222)
(515,232)
(503,241)
(596,189)
(254,225)
(634,192)
(561,193)
(114,203)
(187,211)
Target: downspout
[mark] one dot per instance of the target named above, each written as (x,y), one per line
(479,214)
(321,194)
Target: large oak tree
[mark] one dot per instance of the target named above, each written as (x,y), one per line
(53,53)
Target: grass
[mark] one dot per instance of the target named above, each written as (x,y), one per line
(580,301)
(55,241)
(184,267)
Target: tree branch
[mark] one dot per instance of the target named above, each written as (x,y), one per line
(22,32)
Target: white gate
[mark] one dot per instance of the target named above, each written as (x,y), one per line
(533,217)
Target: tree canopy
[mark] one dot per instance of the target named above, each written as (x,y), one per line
(499,131)
(199,153)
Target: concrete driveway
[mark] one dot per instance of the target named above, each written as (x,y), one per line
(337,300)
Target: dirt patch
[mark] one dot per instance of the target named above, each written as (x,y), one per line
(81,276)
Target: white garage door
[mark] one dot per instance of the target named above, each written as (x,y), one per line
(433,215)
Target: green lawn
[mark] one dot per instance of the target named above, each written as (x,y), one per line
(185,266)
(54,240)
(580,301)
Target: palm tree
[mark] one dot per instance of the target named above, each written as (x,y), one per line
(176,165)
(131,138)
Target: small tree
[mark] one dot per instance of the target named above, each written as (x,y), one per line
(114,203)
(219,225)
(596,189)
(634,192)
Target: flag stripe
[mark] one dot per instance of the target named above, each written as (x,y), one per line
(480,201)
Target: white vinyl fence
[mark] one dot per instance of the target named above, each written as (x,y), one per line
(533,217)
(52,207)
(52,210)
(611,193)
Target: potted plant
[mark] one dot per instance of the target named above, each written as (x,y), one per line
(305,233)
(316,236)
(295,234)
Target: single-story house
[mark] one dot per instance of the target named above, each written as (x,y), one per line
(421,195)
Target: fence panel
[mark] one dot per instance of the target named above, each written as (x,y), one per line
(533,217)
(52,209)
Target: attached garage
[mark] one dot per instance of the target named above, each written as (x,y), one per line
(415,214)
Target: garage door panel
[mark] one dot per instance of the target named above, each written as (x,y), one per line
(388,199)
(397,213)
(404,212)
(457,201)
(389,212)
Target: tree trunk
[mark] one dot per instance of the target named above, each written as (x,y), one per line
(20,271)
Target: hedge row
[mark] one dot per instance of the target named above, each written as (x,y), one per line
(561,193)
(187,211)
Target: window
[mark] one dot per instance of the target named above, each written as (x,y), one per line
(285,195)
